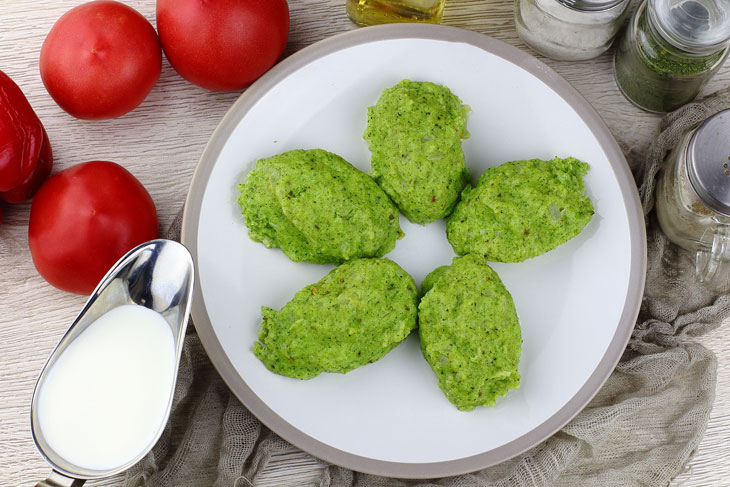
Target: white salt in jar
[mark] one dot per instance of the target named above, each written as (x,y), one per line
(569,30)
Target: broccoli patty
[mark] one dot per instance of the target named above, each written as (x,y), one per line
(521,209)
(470,333)
(317,207)
(414,132)
(353,316)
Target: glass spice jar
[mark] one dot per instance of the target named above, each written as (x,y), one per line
(670,50)
(569,30)
(693,196)
(369,12)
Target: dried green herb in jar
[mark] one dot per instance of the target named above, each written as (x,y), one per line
(670,50)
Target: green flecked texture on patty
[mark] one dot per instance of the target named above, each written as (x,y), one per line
(317,207)
(415,131)
(353,316)
(431,278)
(521,209)
(470,333)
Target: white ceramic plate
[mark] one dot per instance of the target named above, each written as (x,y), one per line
(577,304)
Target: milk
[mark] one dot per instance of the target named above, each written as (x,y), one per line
(104,399)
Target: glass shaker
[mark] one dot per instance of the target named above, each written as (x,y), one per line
(569,30)
(693,196)
(670,50)
(369,12)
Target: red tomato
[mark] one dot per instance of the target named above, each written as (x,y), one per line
(85,218)
(222,45)
(100,60)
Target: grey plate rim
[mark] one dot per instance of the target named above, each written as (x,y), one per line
(597,126)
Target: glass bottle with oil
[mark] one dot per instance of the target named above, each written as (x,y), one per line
(369,12)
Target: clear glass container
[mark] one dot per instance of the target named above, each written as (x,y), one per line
(693,196)
(670,50)
(370,12)
(569,30)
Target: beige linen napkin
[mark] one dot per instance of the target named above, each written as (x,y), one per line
(639,430)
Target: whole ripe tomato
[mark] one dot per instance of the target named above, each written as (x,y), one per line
(25,151)
(100,60)
(85,218)
(222,45)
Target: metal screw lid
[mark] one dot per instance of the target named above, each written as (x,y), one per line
(708,162)
(591,5)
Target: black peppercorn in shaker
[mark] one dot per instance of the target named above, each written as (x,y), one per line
(693,196)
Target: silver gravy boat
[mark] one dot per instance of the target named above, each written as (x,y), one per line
(159,275)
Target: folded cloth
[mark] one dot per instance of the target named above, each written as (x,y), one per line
(639,430)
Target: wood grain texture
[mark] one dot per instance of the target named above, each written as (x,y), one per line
(160,143)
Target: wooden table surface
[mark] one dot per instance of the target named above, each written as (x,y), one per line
(160,143)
